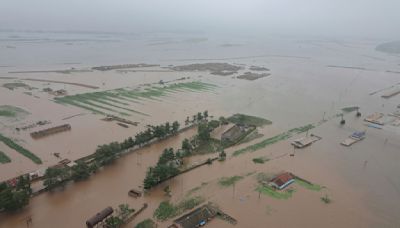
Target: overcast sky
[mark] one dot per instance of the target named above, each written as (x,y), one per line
(367,18)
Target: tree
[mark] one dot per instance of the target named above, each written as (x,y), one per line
(166,156)
(223,120)
(205,114)
(187,121)
(186,146)
(199,116)
(106,154)
(150,180)
(167,128)
(175,127)
(213,124)
(12,199)
(24,183)
(203,132)
(55,177)
(124,211)
(80,171)
(222,155)
(114,222)
(159,131)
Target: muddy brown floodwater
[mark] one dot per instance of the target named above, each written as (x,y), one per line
(362,180)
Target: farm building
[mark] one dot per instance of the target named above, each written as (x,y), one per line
(232,133)
(196,218)
(282,180)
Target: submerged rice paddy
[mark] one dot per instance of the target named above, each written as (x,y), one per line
(10,143)
(117,101)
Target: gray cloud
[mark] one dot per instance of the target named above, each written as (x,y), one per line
(371,18)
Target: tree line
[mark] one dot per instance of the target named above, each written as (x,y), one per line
(170,161)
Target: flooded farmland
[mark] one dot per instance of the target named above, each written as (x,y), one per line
(301,88)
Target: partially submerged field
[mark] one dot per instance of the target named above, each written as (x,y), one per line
(301,96)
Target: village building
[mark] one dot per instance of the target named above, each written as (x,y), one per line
(282,180)
(196,218)
(233,133)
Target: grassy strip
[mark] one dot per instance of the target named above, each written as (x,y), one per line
(7,113)
(104,96)
(167,210)
(249,120)
(11,111)
(228,181)
(102,107)
(309,186)
(100,100)
(4,158)
(274,139)
(260,160)
(70,102)
(269,191)
(350,109)
(20,149)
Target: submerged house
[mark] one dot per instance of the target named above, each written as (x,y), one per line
(233,133)
(282,180)
(198,217)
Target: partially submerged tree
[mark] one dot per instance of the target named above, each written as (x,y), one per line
(80,171)
(55,177)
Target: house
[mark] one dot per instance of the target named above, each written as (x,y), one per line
(355,137)
(305,141)
(282,180)
(233,133)
(196,218)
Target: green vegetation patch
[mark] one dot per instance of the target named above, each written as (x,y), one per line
(10,143)
(260,160)
(147,223)
(11,111)
(269,191)
(274,139)
(167,210)
(249,120)
(350,109)
(228,181)
(4,158)
(308,185)
(208,147)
